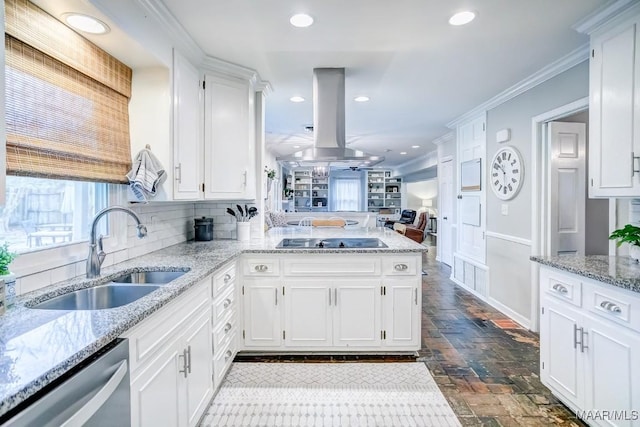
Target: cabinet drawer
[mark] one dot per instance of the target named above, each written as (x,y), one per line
(401,266)
(224,332)
(562,286)
(328,265)
(617,305)
(261,267)
(225,277)
(222,361)
(223,305)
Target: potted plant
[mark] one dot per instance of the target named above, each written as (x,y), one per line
(271,175)
(628,234)
(6,256)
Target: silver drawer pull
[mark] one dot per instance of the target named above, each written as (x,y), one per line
(227,277)
(559,288)
(400,267)
(226,303)
(609,306)
(261,268)
(227,355)
(227,327)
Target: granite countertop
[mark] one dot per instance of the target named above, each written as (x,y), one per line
(622,272)
(38,346)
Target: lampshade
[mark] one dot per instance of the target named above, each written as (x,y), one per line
(427,202)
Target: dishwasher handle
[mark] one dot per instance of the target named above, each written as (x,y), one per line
(96,402)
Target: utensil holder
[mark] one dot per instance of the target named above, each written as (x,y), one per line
(243,231)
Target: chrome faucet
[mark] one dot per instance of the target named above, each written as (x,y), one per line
(96,254)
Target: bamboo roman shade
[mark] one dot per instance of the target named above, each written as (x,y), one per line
(66,101)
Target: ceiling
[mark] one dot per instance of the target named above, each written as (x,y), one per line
(419,72)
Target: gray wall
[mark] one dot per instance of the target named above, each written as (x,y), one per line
(504,256)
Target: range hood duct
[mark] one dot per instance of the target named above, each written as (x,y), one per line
(329,143)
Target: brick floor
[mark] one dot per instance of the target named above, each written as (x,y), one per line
(486,365)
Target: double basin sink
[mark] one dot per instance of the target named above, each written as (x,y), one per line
(120,291)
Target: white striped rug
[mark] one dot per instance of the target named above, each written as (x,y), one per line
(329,394)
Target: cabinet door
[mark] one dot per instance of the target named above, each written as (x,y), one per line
(307,319)
(562,361)
(187,130)
(401,312)
(357,312)
(614,118)
(612,369)
(157,394)
(199,378)
(261,312)
(228,139)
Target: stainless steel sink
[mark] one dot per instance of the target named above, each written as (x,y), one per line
(97,298)
(151,277)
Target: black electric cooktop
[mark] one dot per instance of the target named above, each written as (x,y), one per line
(332,243)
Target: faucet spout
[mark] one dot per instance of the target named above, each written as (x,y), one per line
(96,254)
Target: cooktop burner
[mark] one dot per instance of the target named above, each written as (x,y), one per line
(332,243)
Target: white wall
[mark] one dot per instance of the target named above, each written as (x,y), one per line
(421,190)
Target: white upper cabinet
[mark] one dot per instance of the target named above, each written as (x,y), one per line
(614,110)
(229,139)
(187,130)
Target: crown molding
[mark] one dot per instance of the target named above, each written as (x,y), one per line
(229,69)
(444,138)
(603,15)
(264,87)
(563,64)
(430,159)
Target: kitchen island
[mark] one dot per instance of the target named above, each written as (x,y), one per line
(39,346)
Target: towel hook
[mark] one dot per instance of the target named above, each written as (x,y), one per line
(148,147)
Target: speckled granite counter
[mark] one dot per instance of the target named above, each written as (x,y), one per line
(622,272)
(38,346)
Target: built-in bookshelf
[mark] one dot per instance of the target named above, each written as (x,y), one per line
(310,191)
(383,191)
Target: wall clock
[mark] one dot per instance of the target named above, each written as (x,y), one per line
(506,173)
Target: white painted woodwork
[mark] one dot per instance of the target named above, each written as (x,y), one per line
(614,111)
(308,312)
(262,313)
(590,344)
(402,302)
(357,313)
(445,220)
(229,149)
(187,130)
(472,145)
(567,188)
(199,388)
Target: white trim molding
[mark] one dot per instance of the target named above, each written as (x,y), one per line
(508,238)
(604,14)
(563,64)
(444,138)
(512,314)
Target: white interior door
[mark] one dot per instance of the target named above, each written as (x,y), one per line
(567,180)
(445,222)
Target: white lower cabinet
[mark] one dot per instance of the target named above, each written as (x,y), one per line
(590,347)
(308,314)
(261,312)
(401,307)
(171,369)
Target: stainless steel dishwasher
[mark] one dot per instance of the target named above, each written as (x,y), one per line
(96,393)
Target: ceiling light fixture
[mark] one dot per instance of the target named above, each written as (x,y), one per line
(296,146)
(86,23)
(301,20)
(361,98)
(415,146)
(462,18)
(296,99)
(403,153)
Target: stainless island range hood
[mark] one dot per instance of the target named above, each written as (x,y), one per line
(329,127)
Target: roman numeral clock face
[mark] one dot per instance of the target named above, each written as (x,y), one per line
(506,173)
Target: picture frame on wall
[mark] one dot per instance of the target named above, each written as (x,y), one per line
(470,175)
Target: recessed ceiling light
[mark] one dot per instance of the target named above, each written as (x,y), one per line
(296,146)
(361,98)
(301,20)
(403,152)
(415,146)
(86,23)
(296,99)
(462,18)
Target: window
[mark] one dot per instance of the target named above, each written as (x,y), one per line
(346,194)
(45,212)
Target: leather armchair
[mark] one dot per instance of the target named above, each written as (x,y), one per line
(406,217)
(416,232)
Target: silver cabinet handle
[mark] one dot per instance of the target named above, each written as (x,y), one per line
(400,267)
(559,288)
(227,327)
(184,362)
(276,289)
(575,335)
(612,307)
(583,339)
(329,296)
(95,403)
(261,268)
(179,173)
(245,178)
(633,163)
(416,296)
(227,277)
(335,297)
(583,334)
(226,303)
(189,359)
(227,355)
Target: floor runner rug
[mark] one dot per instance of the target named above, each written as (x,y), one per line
(329,394)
